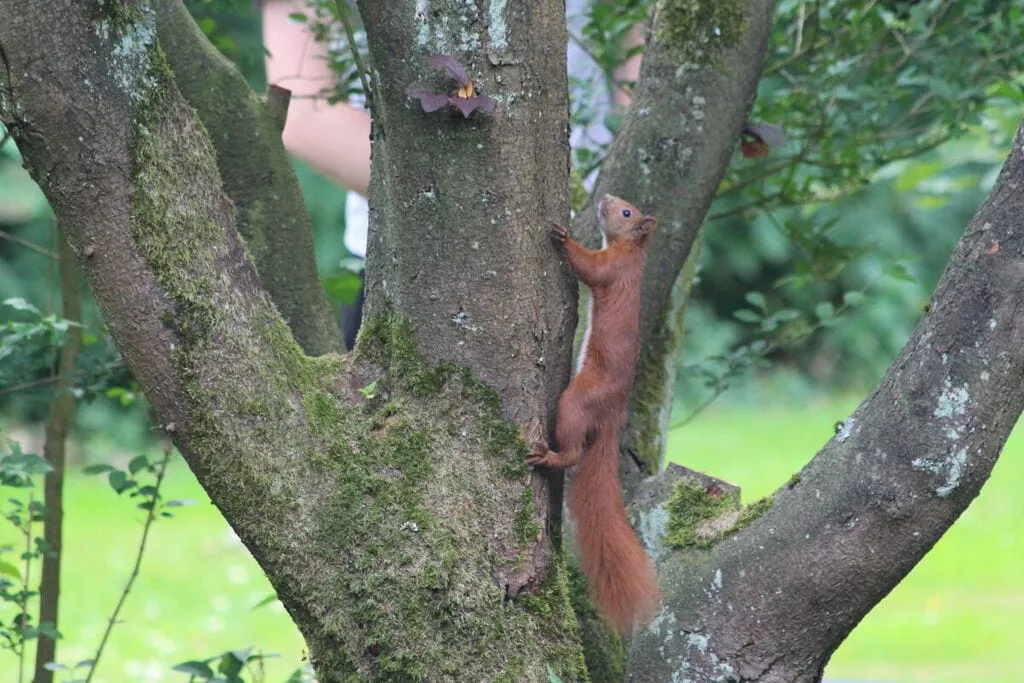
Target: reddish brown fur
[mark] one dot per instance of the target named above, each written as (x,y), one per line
(622,580)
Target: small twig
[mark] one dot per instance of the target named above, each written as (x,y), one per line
(683,421)
(28,385)
(346,22)
(24,588)
(801,17)
(25,243)
(50,380)
(150,518)
(746,206)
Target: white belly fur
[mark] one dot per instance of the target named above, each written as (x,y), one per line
(590,318)
(586,333)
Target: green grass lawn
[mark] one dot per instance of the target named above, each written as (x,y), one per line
(957,617)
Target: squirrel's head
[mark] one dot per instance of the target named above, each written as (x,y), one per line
(621,221)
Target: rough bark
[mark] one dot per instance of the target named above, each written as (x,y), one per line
(257,175)
(386,499)
(772,602)
(461,208)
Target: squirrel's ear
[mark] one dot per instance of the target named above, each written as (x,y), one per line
(645,226)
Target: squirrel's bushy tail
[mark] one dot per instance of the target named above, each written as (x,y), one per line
(623,583)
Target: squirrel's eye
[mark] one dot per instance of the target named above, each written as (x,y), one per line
(627,213)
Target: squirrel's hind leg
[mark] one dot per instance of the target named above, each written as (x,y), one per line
(572,423)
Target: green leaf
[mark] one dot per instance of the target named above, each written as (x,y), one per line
(150,491)
(369,390)
(299,17)
(194,668)
(552,676)
(230,665)
(119,481)
(756,299)
(265,601)
(47,629)
(138,463)
(98,468)
(825,311)
(852,298)
(746,315)
(8,569)
(20,304)
(898,271)
(54,666)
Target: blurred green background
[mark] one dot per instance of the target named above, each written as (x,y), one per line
(955,618)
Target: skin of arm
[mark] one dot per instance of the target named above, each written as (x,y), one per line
(333,139)
(629,71)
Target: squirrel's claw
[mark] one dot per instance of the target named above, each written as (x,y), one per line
(539,455)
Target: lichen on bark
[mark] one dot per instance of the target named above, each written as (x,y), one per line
(695,31)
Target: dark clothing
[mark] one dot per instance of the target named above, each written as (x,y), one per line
(352,314)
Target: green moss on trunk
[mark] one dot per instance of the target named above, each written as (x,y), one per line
(695,30)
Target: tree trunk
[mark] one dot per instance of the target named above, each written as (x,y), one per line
(385,492)
(62,413)
(387,498)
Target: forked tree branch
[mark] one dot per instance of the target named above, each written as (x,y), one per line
(257,175)
(772,602)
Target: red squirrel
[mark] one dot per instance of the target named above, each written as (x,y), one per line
(622,580)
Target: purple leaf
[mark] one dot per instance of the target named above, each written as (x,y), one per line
(450,66)
(771,134)
(467,105)
(430,100)
(416,90)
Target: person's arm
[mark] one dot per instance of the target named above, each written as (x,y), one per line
(628,71)
(333,139)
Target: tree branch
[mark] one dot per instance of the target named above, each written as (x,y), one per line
(58,427)
(257,175)
(696,88)
(879,494)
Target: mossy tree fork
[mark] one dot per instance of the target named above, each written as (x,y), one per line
(384,492)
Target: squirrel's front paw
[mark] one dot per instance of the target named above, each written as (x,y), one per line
(539,455)
(559,233)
